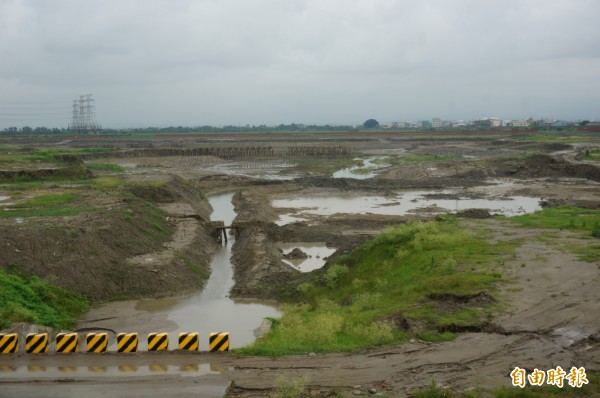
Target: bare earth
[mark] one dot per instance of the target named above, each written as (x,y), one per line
(550,317)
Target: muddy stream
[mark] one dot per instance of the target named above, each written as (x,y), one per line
(208,311)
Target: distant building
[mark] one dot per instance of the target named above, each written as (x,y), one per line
(520,123)
(436,123)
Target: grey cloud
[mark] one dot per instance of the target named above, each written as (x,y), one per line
(269,61)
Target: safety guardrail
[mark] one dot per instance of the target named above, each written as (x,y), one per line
(38,343)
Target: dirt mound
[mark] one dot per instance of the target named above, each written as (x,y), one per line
(295,254)
(537,166)
(175,190)
(474,213)
(88,254)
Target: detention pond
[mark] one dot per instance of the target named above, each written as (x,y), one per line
(400,204)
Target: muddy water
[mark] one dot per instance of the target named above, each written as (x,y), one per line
(351,172)
(212,310)
(208,311)
(402,204)
(54,372)
(317,255)
(264,171)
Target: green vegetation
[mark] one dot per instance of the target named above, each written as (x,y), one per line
(48,200)
(567,137)
(594,154)
(564,217)
(51,205)
(105,167)
(194,267)
(584,221)
(29,299)
(360,300)
(48,212)
(285,388)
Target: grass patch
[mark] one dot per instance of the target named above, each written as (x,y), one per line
(48,212)
(352,304)
(48,200)
(29,299)
(194,267)
(567,218)
(594,154)
(51,205)
(108,182)
(564,217)
(105,167)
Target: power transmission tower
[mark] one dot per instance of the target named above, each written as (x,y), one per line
(84,114)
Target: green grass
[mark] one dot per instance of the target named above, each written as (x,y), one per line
(349,305)
(29,299)
(105,167)
(48,212)
(594,154)
(51,205)
(584,221)
(565,217)
(556,136)
(48,200)
(194,267)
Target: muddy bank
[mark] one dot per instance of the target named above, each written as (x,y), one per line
(90,254)
(537,166)
(258,266)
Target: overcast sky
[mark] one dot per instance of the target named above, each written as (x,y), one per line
(196,62)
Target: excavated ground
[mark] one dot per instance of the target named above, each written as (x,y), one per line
(551,303)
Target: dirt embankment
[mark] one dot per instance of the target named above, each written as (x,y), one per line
(259,271)
(537,166)
(90,253)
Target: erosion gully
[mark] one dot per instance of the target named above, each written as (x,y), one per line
(212,310)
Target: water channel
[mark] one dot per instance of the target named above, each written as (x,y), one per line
(361,172)
(212,309)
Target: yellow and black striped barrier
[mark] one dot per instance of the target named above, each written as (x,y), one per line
(127,342)
(218,342)
(158,341)
(189,341)
(36,343)
(97,342)
(9,343)
(67,342)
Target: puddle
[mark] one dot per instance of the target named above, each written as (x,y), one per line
(3,198)
(355,171)
(402,204)
(62,372)
(212,310)
(317,252)
(261,170)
